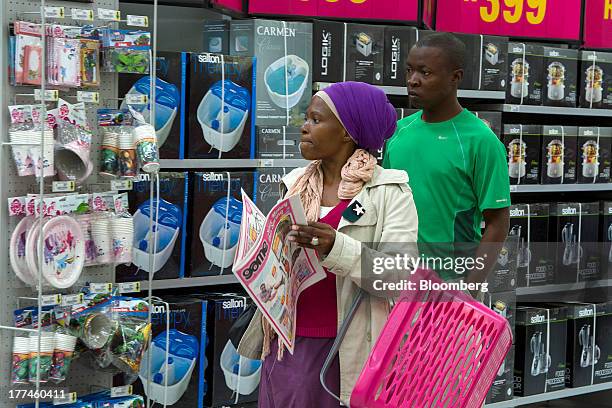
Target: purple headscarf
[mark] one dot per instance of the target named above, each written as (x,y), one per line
(363,110)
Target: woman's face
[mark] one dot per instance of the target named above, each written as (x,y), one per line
(323,136)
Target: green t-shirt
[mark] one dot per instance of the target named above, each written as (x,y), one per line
(456,169)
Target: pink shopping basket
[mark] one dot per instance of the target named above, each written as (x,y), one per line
(442,349)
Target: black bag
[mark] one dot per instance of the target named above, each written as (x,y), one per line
(242,324)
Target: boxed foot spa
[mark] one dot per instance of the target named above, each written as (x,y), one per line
(594,154)
(559,154)
(221,100)
(595,80)
(560,77)
(540,344)
(267,187)
(283,51)
(523,146)
(216,36)
(398,42)
(169,214)
(525,74)
(502,388)
(216,212)
(278,142)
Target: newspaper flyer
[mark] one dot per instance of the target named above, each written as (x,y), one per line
(273,270)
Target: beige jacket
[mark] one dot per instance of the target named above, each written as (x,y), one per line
(390,217)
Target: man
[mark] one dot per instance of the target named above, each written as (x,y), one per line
(456,165)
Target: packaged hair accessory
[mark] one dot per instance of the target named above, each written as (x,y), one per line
(90,63)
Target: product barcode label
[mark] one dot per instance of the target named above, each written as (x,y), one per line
(51,300)
(88,97)
(55,12)
(136,99)
(50,95)
(137,21)
(100,287)
(122,185)
(63,186)
(124,391)
(267,163)
(82,14)
(67,398)
(107,14)
(129,287)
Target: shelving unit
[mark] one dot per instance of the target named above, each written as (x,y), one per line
(189,282)
(564,287)
(230,163)
(559,188)
(549,396)
(548,110)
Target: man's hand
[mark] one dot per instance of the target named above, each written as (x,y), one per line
(497,223)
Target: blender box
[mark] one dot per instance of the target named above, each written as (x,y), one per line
(216,36)
(398,42)
(216,212)
(523,146)
(525,74)
(502,277)
(503,384)
(170,225)
(535,262)
(559,154)
(595,80)
(492,119)
(594,154)
(574,228)
(283,51)
(267,187)
(220,120)
(278,142)
(540,344)
(560,77)
(170,93)
(606,240)
(504,304)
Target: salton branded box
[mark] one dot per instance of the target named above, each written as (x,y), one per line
(606,239)
(502,388)
(596,80)
(559,154)
(560,77)
(523,147)
(594,154)
(525,74)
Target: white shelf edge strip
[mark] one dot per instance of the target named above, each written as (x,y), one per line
(547,110)
(550,188)
(549,396)
(189,282)
(565,287)
(402,91)
(230,163)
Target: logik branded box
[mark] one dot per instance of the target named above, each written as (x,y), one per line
(328,51)
(606,240)
(216,35)
(492,119)
(560,77)
(535,260)
(523,146)
(215,219)
(398,42)
(594,154)
(502,388)
(221,100)
(540,344)
(595,80)
(267,187)
(503,276)
(559,154)
(504,304)
(170,225)
(283,51)
(278,142)
(525,74)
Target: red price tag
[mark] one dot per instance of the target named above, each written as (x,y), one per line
(598,24)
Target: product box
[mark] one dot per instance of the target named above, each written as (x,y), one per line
(221,100)
(502,388)
(216,36)
(504,304)
(523,143)
(560,77)
(492,119)
(540,344)
(171,68)
(525,74)
(268,187)
(574,227)
(283,51)
(502,277)
(328,51)
(606,240)
(595,80)
(169,258)
(535,259)
(398,42)
(215,227)
(594,154)
(278,142)
(559,154)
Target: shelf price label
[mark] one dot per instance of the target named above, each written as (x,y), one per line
(55,12)
(136,99)
(122,185)
(88,97)
(598,24)
(100,287)
(109,15)
(66,398)
(63,186)
(82,14)
(549,19)
(137,21)
(51,95)
(129,287)
(71,300)
(124,391)
(51,300)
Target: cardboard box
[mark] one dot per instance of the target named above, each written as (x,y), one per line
(212,224)
(575,230)
(216,36)
(328,51)
(560,77)
(398,42)
(525,74)
(535,260)
(594,154)
(539,363)
(492,119)
(595,80)
(503,384)
(267,187)
(606,240)
(169,260)
(284,59)
(278,142)
(603,340)
(559,154)
(503,276)
(215,129)
(523,143)
(504,304)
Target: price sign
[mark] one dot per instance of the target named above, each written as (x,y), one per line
(598,24)
(51,95)
(71,300)
(65,398)
(136,99)
(137,21)
(63,186)
(100,287)
(88,97)
(129,287)
(54,12)
(51,300)
(82,14)
(232,5)
(124,391)
(549,19)
(122,185)
(107,14)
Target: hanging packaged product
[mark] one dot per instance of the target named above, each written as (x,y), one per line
(493,120)
(606,238)
(523,143)
(126,51)
(144,140)
(594,154)
(64,66)
(220,120)
(72,155)
(278,142)
(117,126)
(559,154)
(595,83)
(284,58)
(90,63)
(27,56)
(216,36)
(561,77)
(216,212)
(268,187)
(525,74)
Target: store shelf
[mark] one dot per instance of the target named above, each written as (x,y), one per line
(548,110)
(559,188)
(401,91)
(549,396)
(189,282)
(230,163)
(565,287)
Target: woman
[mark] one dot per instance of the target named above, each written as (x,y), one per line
(348,200)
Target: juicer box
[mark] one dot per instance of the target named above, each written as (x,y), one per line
(278,142)
(283,51)
(215,219)
(170,94)
(523,143)
(502,277)
(397,44)
(606,240)
(535,259)
(492,119)
(560,77)
(502,388)
(216,36)
(170,225)
(268,187)
(595,80)
(504,304)
(559,154)
(540,344)
(574,228)
(594,154)
(525,74)
(221,99)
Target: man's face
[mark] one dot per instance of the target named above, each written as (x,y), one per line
(430,78)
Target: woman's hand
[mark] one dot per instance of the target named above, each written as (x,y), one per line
(303,235)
